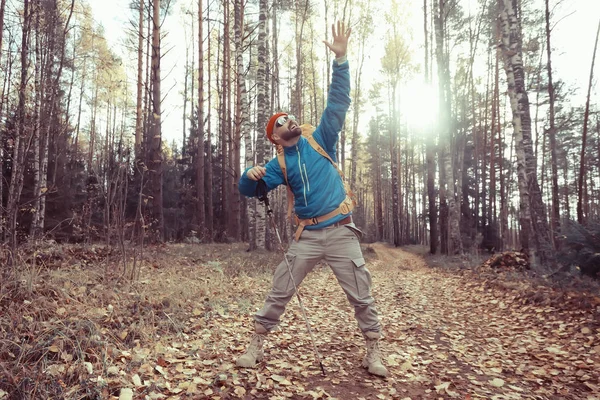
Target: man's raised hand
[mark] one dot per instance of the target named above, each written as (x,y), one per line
(340,39)
(256,173)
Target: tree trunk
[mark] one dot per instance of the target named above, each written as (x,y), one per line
(430,153)
(21,142)
(200,147)
(208,162)
(555,214)
(40,71)
(241,124)
(394,166)
(580,217)
(454,238)
(225,134)
(532,209)
(140,63)
(262,114)
(249,150)
(2,8)
(155,153)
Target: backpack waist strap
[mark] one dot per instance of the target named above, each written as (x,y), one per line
(344,208)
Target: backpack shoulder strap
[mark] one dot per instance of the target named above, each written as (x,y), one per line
(290,194)
(281,160)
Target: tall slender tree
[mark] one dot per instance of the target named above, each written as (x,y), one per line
(446,128)
(139,82)
(555,214)
(532,214)
(155,156)
(581,177)
(262,113)
(430,151)
(200,145)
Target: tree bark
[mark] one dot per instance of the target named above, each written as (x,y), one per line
(241,124)
(393,129)
(580,217)
(430,153)
(40,71)
(262,114)
(155,153)
(139,84)
(21,141)
(446,130)
(555,214)
(208,163)
(532,209)
(200,147)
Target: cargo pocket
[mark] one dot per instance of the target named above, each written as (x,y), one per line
(362,277)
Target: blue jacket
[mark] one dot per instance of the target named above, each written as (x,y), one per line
(317,186)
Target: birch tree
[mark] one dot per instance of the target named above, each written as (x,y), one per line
(262,117)
(22,139)
(532,215)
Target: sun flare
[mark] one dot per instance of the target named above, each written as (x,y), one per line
(419,104)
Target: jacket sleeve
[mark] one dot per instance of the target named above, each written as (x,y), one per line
(273,178)
(338,103)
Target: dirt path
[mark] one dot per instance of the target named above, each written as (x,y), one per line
(446,337)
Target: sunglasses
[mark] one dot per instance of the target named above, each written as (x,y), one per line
(283,119)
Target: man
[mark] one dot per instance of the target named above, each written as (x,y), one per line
(321,204)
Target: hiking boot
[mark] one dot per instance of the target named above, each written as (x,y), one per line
(372,360)
(254,353)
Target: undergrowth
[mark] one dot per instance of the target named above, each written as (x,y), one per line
(67,313)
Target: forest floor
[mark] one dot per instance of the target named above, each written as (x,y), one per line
(72,328)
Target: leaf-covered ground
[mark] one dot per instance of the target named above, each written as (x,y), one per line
(176,333)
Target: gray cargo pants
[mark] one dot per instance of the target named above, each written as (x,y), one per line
(340,248)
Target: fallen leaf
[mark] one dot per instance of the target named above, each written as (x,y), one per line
(126,394)
(497,382)
(113,370)
(137,381)
(441,388)
(239,390)
(89,367)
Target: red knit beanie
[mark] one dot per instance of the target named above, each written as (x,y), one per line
(271,125)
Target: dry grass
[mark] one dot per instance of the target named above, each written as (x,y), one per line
(67,313)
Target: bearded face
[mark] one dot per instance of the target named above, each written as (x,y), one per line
(292,131)
(289,130)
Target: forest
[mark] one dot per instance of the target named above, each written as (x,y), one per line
(463,140)
(126,125)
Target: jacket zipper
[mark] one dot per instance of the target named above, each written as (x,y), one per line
(302,176)
(306,175)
